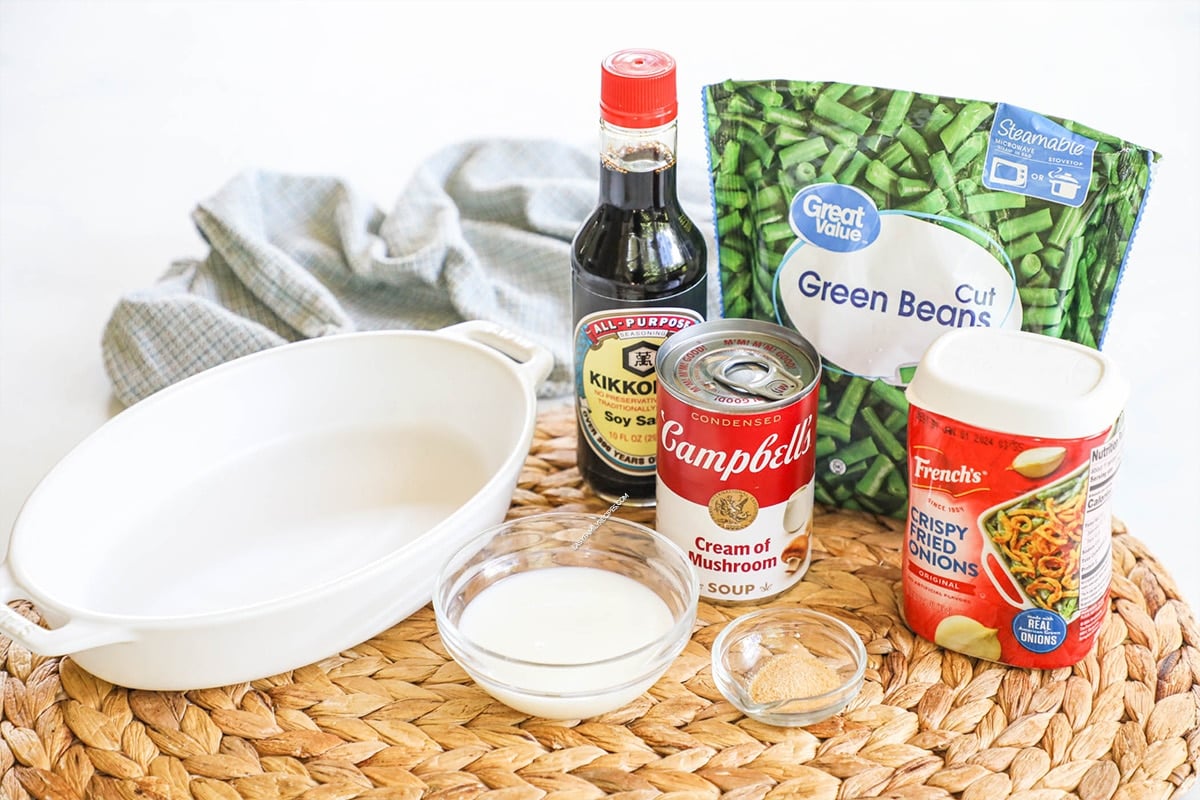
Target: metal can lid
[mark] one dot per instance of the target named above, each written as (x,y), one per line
(738,364)
(1019,382)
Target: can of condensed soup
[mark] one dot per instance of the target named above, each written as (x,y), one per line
(1014,440)
(737,417)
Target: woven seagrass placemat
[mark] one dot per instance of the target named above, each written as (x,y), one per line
(396,718)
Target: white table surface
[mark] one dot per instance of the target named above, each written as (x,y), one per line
(117,117)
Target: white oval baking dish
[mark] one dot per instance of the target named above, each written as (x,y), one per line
(273,510)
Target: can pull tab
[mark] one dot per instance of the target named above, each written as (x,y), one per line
(751,373)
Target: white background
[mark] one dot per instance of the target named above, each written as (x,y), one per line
(117,117)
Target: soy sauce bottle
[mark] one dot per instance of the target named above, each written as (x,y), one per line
(639,269)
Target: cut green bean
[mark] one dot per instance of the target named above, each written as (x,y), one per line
(1085,310)
(858,162)
(883,437)
(835,91)
(726,224)
(857,451)
(932,203)
(1070,263)
(757,143)
(732,259)
(775,231)
(916,146)
(943,176)
(1031,296)
(1043,316)
(803,151)
(939,117)
(890,395)
(964,124)
(834,133)
(834,428)
(881,177)
(994,201)
(1029,266)
(769,197)
(1065,227)
(894,155)
(852,396)
(873,480)
(826,445)
(837,158)
(897,109)
(1016,227)
(804,173)
(1024,246)
(786,134)
(841,115)
(970,150)
(911,187)
(765,96)
(731,155)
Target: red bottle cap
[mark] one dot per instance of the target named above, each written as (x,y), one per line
(637,89)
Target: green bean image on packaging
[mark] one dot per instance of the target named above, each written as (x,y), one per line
(922,155)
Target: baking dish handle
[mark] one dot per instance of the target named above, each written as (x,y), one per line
(74,636)
(533,361)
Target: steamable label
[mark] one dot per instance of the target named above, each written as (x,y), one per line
(1031,155)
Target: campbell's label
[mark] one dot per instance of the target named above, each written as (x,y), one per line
(737,406)
(1007,547)
(699,444)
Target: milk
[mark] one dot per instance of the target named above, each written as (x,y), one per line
(574,632)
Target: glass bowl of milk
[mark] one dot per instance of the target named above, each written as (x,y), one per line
(566,615)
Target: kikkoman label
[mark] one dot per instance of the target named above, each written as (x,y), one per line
(617,385)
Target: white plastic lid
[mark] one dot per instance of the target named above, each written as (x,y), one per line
(1021,383)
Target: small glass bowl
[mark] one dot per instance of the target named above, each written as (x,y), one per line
(586,664)
(749,642)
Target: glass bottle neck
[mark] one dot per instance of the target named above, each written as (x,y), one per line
(638,166)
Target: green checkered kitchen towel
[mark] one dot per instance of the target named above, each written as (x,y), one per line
(482,231)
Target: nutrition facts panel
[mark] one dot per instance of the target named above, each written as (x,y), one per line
(1095,555)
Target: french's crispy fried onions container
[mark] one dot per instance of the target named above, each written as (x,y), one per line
(1014,444)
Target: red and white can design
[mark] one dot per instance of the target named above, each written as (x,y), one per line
(737,417)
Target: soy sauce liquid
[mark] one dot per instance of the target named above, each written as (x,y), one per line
(639,252)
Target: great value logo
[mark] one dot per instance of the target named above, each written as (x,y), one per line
(835,217)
